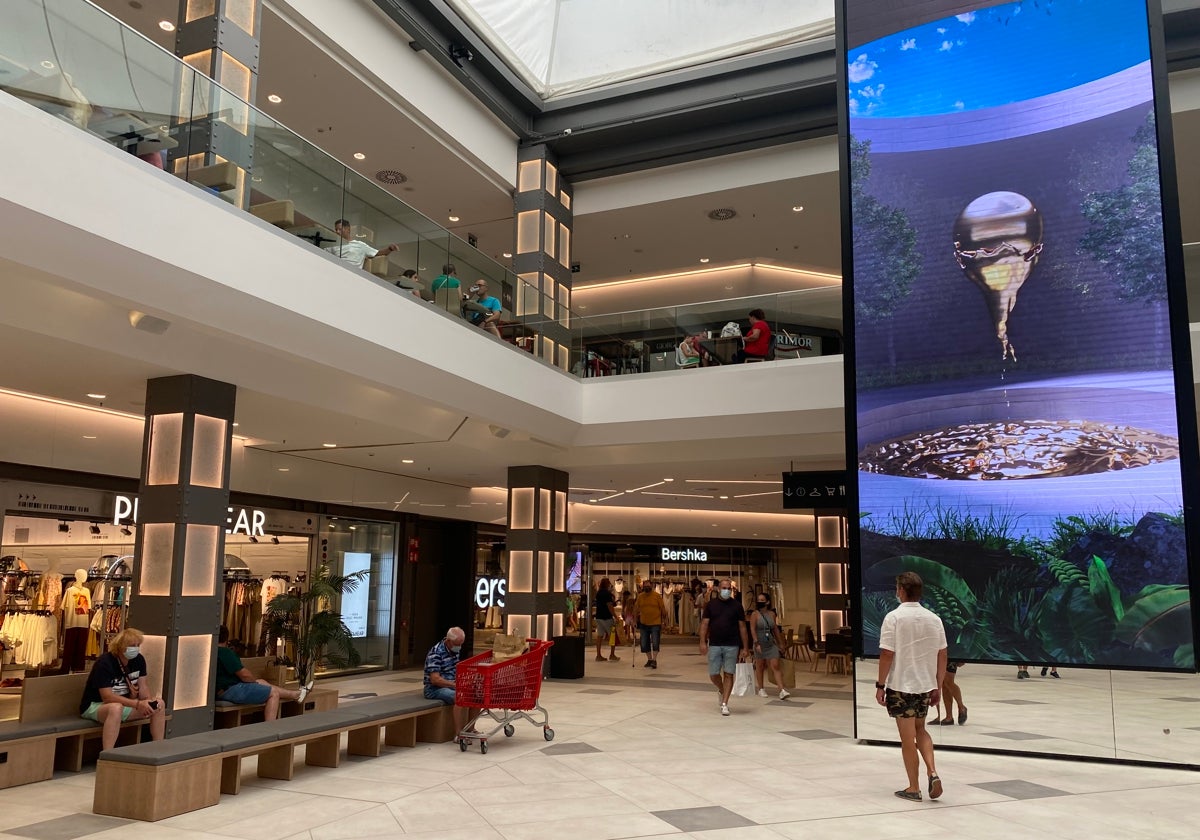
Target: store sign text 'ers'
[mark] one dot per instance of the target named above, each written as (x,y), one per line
(249,521)
(490,592)
(687,555)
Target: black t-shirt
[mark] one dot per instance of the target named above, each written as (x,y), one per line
(724,618)
(604,602)
(107,673)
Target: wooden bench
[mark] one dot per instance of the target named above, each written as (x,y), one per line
(156,780)
(227,715)
(49,734)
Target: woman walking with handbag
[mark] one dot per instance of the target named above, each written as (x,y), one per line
(768,640)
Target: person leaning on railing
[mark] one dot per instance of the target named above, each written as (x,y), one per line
(354,251)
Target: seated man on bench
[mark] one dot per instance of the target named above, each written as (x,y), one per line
(117,690)
(235,683)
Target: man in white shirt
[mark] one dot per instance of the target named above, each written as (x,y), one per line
(354,251)
(912,665)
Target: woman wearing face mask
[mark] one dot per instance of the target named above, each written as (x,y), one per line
(117,690)
(764,627)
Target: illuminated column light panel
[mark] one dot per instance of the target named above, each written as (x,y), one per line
(560,511)
(520,571)
(528,222)
(154,648)
(558,624)
(166,441)
(155,567)
(829,532)
(831,620)
(543,625)
(208,451)
(520,518)
(519,626)
(830,577)
(191,672)
(560,570)
(200,560)
(543,581)
(544,512)
(529,176)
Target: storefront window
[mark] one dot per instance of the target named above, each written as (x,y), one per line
(353,545)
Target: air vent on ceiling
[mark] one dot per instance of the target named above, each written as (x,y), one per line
(390,176)
(722,214)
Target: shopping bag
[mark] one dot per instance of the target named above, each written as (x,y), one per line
(612,636)
(506,647)
(787,668)
(743,679)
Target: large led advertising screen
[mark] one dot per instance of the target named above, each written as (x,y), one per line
(1019,380)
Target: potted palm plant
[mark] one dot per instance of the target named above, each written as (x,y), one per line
(309,628)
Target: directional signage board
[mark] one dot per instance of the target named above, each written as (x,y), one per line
(823,490)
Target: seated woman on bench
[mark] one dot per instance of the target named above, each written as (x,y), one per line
(235,683)
(117,690)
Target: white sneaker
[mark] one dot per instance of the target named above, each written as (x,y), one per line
(784,694)
(762,692)
(725,709)
(303,694)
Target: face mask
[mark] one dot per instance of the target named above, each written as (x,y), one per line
(762,605)
(132,652)
(454,648)
(725,593)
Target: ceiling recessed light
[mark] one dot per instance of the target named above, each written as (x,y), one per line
(329,445)
(284,469)
(506,255)
(98,396)
(407,461)
(799,208)
(49,65)
(704,259)
(452,218)
(359,156)
(235,425)
(89,437)
(166,26)
(724,497)
(668,479)
(593,501)
(274,98)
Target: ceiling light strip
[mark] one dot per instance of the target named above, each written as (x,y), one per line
(729,481)
(750,495)
(682,495)
(69,404)
(647,487)
(803,272)
(613,496)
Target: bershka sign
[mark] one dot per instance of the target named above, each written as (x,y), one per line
(249,521)
(490,592)
(687,555)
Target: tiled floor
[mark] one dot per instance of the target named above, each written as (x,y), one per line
(639,757)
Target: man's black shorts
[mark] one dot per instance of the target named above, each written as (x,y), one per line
(904,705)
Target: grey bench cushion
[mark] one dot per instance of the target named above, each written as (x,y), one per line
(401,704)
(313,722)
(74,724)
(238,738)
(18,731)
(157,753)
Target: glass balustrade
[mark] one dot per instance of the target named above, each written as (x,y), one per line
(75,61)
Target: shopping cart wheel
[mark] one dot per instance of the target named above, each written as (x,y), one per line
(483,747)
(462,745)
(509,729)
(548,733)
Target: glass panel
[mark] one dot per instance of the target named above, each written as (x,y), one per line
(197,9)
(157,560)
(551,178)
(829,532)
(520,518)
(544,509)
(208,451)
(154,648)
(560,505)
(565,199)
(166,437)
(560,570)
(192,672)
(518,625)
(558,624)
(363,546)
(830,578)
(241,12)
(564,245)
(520,571)
(543,626)
(200,559)
(831,620)
(549,228)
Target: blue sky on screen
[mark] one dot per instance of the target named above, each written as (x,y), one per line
(996,56)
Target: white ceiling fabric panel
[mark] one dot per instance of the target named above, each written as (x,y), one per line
(566,46)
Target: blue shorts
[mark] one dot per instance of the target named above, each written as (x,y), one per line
(246,693)
(90,712)
(446,695)
(722,658)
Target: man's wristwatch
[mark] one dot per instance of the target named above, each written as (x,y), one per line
(880,686)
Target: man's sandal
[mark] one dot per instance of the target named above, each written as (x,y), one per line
(935,786)
(910,795)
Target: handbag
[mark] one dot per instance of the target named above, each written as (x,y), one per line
(787,669)
(743,679)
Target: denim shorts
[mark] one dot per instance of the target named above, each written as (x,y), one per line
(245,692)
(722,658)
(445,694)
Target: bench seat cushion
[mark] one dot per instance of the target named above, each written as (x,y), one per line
(238,738)
(19,731)
(390,706)
(73,724)
(227,704)
(301,725)
(158,753)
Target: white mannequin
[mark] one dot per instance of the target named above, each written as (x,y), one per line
(77,602)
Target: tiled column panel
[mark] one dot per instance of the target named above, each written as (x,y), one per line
(183,508)
(537,551)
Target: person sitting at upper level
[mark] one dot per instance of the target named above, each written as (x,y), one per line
(756,344)
(484,310)
(446,280)
(354,251)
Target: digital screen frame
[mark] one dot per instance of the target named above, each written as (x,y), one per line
(1021,422)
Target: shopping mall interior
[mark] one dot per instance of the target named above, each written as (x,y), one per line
(175,180)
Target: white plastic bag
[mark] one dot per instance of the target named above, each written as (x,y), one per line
(743,679)
(731,330)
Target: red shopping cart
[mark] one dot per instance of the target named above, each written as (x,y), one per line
(503,691)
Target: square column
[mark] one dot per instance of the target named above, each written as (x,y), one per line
(543,256)
(537,552)
(183,509)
